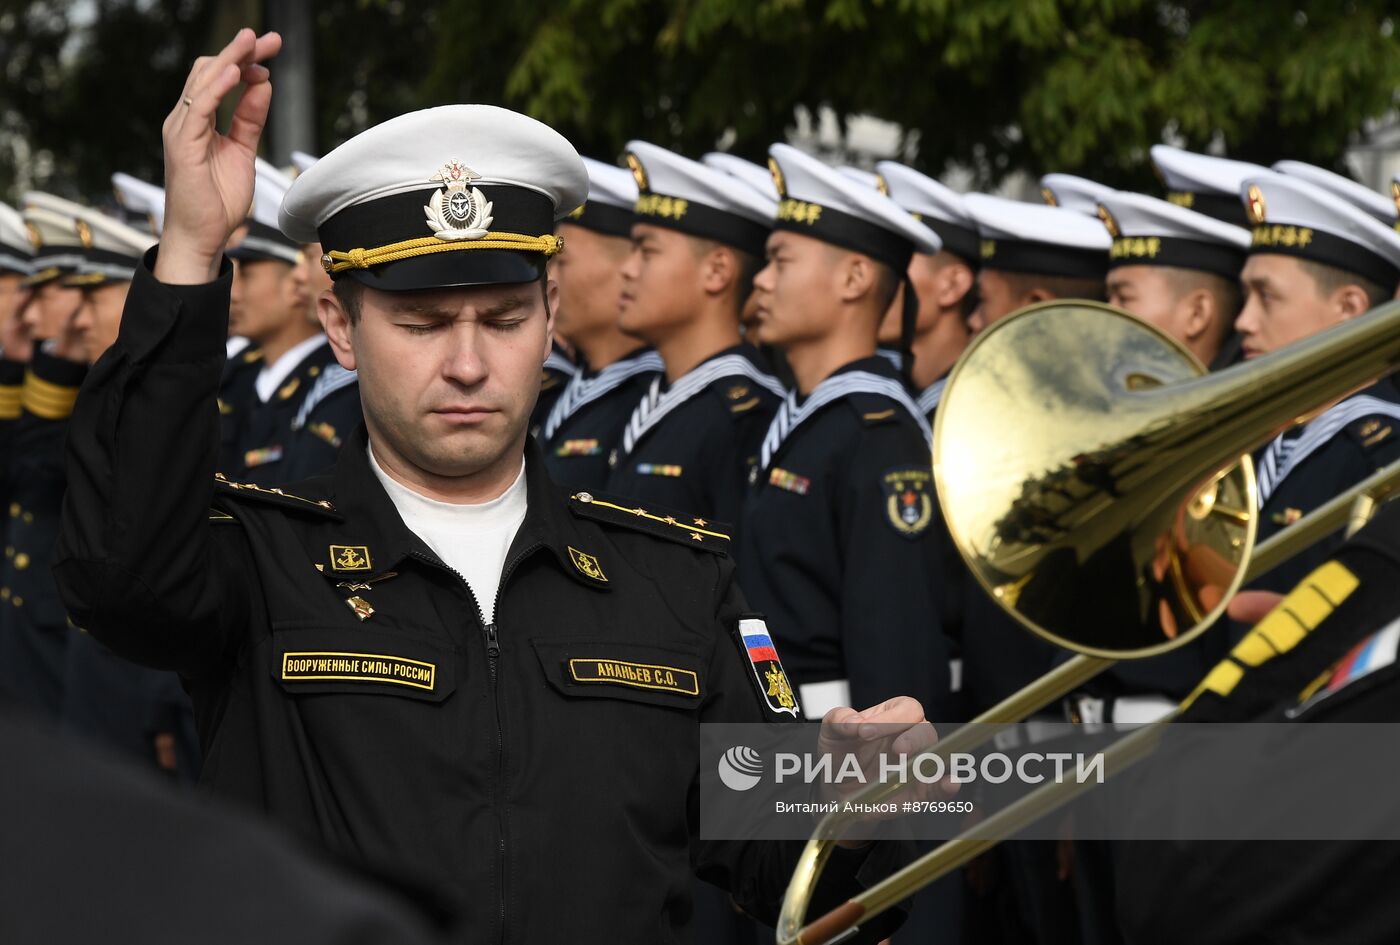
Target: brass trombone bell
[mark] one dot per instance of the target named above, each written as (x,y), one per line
(1101,490)
(1068,460)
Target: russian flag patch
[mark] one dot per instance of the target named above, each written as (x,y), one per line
(773,684)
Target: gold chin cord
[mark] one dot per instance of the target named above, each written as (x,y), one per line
(1098,484)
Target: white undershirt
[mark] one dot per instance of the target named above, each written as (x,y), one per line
(272,375)
(471,539)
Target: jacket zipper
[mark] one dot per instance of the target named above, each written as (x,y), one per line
(493,652)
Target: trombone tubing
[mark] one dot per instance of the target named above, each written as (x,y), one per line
(1316,525)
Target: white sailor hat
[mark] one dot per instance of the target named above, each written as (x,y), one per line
(688,196)
(140,199)
(265,239)
(755,175)
(58,241)
(821,202)
(937,206)
(1359,195)
(398,206)
(612,193)
(1292,217)
(1027,237)
(113,249)
(1073,193)
(1209,185)
(16,244)
(861,176)
(1151,232)
(303,162)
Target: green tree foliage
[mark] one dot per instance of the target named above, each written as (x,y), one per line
(85,86)
(1083,86)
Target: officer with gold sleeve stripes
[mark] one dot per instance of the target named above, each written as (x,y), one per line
(34,629)
(432,657)
(1326,653)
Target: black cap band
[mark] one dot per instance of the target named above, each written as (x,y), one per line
(844,230)
(958,240)
(603,218)
(697,219)
(1306,243)
(1046,259)
(263,242)
(1224,207)
(15,262)
(1216,258)
(401,217)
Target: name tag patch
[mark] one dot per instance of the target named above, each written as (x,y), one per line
(358,667)
(683,682)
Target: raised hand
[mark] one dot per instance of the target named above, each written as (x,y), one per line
(208,175)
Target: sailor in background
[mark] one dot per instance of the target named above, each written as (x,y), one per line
(697,242)
(1315,261)
(1073,193)
(615,370)
(139,711)
(34,629)
(269,306)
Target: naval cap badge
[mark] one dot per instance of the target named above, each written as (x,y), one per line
(456,212)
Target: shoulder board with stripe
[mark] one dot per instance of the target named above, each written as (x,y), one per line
(874,409)
(692,531)
(279,497)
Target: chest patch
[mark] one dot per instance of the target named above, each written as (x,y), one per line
(908,500)
(683,682)
(578,448)
(350,558)
(587,565)
(658,469)
(789,481)
(358,667)
(773,685)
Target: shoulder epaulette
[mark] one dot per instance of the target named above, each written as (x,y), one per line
(873,408)
(692,531)
(1372,431)
(741,396)
(278,497)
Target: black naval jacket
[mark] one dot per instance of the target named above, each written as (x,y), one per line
(344,682)
(849,587)
(577,453)
(324,421)
(1284,890)
(1360,448)
(699,455)
(261,448)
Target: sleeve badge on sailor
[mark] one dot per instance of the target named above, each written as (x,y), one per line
(908,500)
(773,685)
